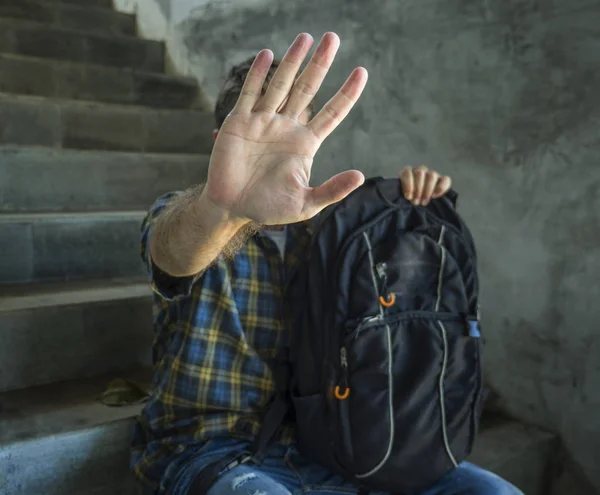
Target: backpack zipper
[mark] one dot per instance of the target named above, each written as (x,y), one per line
(383,461)
(342,389)
(344,366)
(365,323)
(441,393)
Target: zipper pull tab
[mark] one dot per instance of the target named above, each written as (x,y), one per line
(344,358)
(342,391)
(387,299)
(381,269)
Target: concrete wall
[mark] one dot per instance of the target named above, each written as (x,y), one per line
(505,97)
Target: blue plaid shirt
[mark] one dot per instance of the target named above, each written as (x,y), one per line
(214,337)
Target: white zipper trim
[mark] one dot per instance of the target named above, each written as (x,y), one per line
(441,272)
(391,409)
(373,277)
(388,331)
(445,340)
(442,401)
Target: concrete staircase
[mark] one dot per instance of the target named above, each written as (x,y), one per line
(91,132)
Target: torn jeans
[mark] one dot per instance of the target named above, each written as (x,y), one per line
(286,472)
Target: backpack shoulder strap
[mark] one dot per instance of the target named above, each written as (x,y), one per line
(272,420)
(202,482)
(276,412)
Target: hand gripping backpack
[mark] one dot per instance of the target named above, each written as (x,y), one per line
(386,376)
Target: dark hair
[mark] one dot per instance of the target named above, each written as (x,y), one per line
(232,87)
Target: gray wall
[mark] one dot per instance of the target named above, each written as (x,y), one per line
(505,97)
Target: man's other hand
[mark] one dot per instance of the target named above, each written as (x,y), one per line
(420,185)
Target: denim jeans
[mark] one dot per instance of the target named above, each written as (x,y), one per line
(286,472)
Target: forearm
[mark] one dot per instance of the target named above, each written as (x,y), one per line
(191,233)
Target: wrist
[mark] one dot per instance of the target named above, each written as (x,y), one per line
(214,218)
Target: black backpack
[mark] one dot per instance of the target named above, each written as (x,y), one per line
(385,376)
(386,380)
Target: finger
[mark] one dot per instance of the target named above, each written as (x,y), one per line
(408,184)
(443,185)
(252,88)
(307,85)
(332,191)
(285,75)
(431,179)
(419,178)
(336,109)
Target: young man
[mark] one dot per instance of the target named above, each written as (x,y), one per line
(218,283)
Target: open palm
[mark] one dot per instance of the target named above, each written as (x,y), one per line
(261,162)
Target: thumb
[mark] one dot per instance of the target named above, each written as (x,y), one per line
(332,191)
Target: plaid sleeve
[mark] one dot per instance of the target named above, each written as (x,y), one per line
(163,284)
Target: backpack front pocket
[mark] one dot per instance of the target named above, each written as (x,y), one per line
(396,379)
(366,376)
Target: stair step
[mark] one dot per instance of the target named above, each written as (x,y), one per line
(105,4)
(53,247)
(54,332)
(40,40)
(34,121)
(62,79)
(68,180)
(518,453)
(60,439)
(48,295)
(70,16)
(65,419)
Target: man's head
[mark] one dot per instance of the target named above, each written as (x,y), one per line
(232,87)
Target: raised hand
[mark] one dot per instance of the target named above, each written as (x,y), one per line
(262,158)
